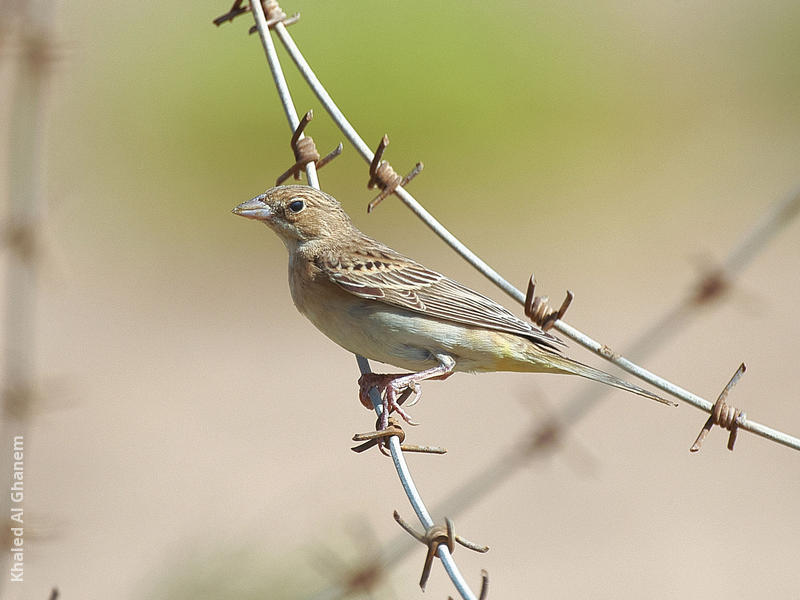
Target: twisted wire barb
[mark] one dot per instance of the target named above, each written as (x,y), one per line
(311,172)
(723,415)
(377,438)
(305,151)
(538,309)
(487,271)
(384,177)
(436,536)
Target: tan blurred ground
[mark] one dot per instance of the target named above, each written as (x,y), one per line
(196,441)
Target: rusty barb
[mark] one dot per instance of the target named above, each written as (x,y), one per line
(380,438)
(383,176)
(305,151)
(538,309)
(20,401)
(271,9)
(22,240)
(712,285)
(435,536)
(723,415)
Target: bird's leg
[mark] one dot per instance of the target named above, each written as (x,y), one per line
(379,381)
(391,387)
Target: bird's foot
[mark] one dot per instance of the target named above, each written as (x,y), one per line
(393,389)
(367,381)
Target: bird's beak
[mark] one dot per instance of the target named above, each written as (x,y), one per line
(256,208)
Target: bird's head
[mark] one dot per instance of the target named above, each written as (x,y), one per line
(298,214)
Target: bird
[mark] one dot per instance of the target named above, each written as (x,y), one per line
(378,303)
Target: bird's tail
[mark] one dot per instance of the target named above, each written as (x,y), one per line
(567,365)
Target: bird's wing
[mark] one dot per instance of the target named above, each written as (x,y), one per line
(374,271)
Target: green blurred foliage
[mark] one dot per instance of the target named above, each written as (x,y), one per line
(524,93)
(237,573)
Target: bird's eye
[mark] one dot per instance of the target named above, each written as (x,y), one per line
(296,206)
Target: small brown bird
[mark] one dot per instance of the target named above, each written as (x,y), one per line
(373,301)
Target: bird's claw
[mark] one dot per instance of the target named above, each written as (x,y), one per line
(392,392)
(414,387)
(391,402)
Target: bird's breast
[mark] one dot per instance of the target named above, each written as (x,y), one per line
(397,336)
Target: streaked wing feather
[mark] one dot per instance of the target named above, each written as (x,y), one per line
(379,273)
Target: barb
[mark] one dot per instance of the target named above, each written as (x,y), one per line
(574,334)
(539,311)
(484,585)
(239,8)
(382,175)
(712,285)
(235,10)
(435,537)
(379,438)
(305,151)
(723,415)
(22,240)
(286,21)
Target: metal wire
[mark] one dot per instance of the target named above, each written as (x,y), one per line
(422,514)
(675,319)
(487,271)
(394,443)
(27,203)
(364,150)
(753,241)
(280,81)
(773,221)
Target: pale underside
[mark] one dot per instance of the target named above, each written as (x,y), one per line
(388,308)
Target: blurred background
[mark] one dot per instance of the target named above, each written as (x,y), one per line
(191,437)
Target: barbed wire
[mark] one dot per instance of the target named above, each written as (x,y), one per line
(487,271)
(29,25)
(263,26)
(710,286)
